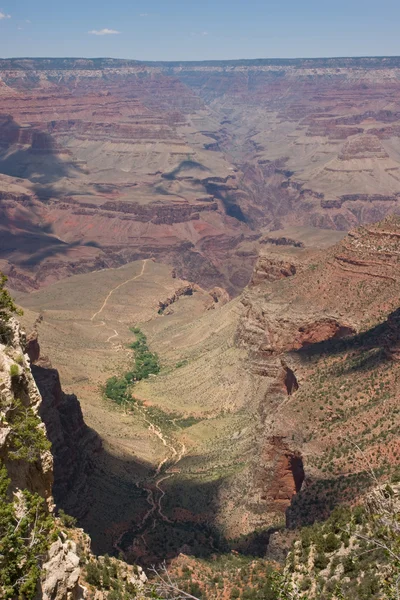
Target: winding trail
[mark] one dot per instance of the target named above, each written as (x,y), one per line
(116,334)
(152,486)
(174,456)
(110,293)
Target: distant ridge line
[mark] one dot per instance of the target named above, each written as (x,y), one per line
(37,64)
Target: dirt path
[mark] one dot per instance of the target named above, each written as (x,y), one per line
(154,485)
(110,293)
(116,334)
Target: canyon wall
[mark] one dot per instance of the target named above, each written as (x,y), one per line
(105,161)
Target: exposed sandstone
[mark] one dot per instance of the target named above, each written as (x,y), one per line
(186,290)
(269,268)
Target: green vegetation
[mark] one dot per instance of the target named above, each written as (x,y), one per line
(14,371)
(27,439)
(170,420)
(7,305)
(353,553)
(119,390)
(67,520)
(235,576)
(146,363)
(106,574)
(181,363)
(24,538)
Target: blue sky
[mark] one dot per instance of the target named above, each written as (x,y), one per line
(199,29)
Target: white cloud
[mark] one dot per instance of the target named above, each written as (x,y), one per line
(28,21)
(104,32)
(144,15)
(4,16)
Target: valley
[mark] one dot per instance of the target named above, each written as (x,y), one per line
(241,220)
(104,162)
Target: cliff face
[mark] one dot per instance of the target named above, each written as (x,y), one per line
(17,387)
(28,462)
(311,336)
(73,444)
(120,160)
(43,560)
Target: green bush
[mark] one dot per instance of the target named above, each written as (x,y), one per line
(146,362)
(7,306)
(321,561)
(23,542)
(305,584)
(93,574)
(14,371)
(27,439)
(349,566)
(65,519)
(119,389)
(331,543)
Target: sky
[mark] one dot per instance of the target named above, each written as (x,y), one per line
(199,29)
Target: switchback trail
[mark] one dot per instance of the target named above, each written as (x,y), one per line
(110,293)
(152,486)
(174,456)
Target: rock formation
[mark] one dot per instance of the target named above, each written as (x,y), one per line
(140,160)
(25,454)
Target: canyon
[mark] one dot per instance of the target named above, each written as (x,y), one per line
(244,216)
(108,161)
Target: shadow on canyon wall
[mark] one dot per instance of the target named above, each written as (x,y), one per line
(368,349)
(27,153)
(318,498)
(120,501)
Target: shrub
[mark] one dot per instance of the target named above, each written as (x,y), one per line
(22,547)
(331,543)
(146,362)
(66,520)
(349,566)
(7,306)
(93,574)
(320,561)
(118,389)
(14,371)
(305,584)
(27,439)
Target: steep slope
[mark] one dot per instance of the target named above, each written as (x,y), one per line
(335,326)
(259,401)
(98,174)
(103,162)
(44,557)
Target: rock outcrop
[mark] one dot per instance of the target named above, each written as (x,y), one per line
(186,290)
(62,572)
(17,385)
(28,462)
(268,268)
(118,160)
